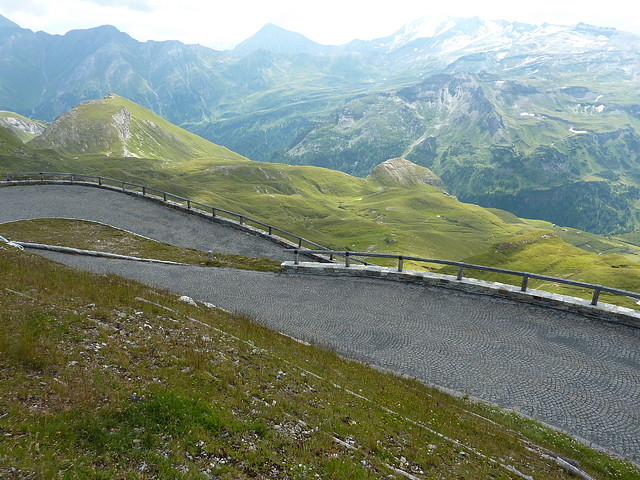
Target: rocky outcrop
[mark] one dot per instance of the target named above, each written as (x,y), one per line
(14,123)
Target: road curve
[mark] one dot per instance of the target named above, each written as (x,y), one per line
(134,214)
(577,374)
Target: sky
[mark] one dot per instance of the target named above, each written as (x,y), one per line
(223,24)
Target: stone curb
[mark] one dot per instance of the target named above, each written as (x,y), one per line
(602,311)
(92,253)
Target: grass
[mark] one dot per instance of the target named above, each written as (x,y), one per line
(598,244)
(112,379)
(88,235)
(150,136)
(545,253)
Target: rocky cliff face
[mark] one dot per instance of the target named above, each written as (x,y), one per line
(21,127)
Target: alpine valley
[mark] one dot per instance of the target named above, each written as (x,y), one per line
(493,143)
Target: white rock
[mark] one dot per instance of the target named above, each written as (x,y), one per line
(188,300)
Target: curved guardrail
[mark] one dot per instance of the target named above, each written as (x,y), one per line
(597,289)
(129,187)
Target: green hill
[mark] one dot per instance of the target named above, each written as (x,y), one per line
(115,126)
(22,127)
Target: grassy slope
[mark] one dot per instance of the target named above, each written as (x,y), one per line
(87,235)
(546,253)
(107,378)
(89,128)
(593,243)
(326,206)
(22,135)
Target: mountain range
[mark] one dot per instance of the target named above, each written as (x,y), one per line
(542,121)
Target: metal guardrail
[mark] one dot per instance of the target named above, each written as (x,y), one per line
(320,249)
(597,289)
(166,197)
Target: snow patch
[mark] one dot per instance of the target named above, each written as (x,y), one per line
(572,130)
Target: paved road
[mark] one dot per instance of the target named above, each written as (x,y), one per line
(135,214)
(578,374)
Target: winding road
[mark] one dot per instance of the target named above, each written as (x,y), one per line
(577,374)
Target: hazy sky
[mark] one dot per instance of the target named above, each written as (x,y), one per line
(221,24)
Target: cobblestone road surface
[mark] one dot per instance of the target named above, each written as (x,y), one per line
(577,374)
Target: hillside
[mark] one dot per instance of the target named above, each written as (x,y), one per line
(524,147)
(115,126)
(399,208)
(404,215)
(23,128)
(121,380)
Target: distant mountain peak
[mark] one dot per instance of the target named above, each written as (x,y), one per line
(278,40)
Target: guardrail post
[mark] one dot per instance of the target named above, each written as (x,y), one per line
(270,229)
(347,259)
(144,190)
(296,260)
(41,177)
(241,220)
(122,186)
(164,196)
(99,180)
(331,257)
(71,177)
(460,270)
(188,204)
(596,295)
(213,212)
(400,262)
(525,281)
(299,242)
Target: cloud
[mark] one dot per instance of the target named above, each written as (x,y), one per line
(138,5)
(32,7)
